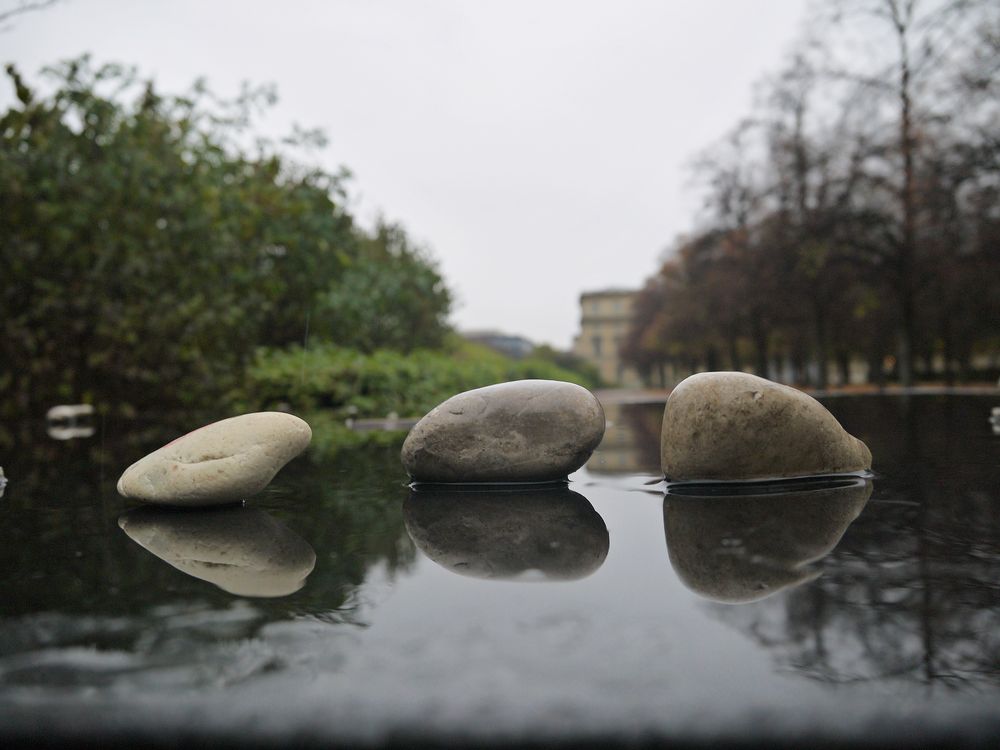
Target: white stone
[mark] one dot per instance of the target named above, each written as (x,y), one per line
(222,462)
(731,426)
(522,431)
(241,550)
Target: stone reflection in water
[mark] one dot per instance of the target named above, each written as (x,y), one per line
(737,548)
(526,534)
(70,421)
(241,550)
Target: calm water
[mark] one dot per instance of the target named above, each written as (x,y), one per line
(605,609)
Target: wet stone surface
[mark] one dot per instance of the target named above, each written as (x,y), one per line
(730,426)
(219,463)
(524,431)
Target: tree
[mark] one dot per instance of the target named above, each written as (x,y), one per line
(389,296)
(20,7)
(146,252)
(857,206)
(924,36)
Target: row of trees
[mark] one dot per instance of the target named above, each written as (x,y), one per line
(854,215)
(148,246)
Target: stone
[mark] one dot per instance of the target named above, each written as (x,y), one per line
(243,551)
(538,534)
(745,547)
(730,426)
(523,431)
(220,463)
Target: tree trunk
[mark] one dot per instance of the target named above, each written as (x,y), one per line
(760,349)
(876,375)
(822,353)
(907,249)
(711,359)
(734,354)
(844,362)
(906,336)
(949,355)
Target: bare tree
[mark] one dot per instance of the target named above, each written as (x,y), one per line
(925,35)
(21,7)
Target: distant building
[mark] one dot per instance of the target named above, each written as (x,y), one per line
(605,317)
(513,346)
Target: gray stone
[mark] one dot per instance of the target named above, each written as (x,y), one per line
(219,463)
(741,548)
(730,426)
(241,550)
(552,534)
(523,431)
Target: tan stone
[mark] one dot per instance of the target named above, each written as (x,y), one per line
(730,426)
(741,548)
(241,550)
(219,463)
(537,534)
(523,431)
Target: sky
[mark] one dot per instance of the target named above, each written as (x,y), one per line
(538,148)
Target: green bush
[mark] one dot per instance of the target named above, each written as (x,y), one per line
(328,384)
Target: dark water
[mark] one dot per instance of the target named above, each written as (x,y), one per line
(865,611)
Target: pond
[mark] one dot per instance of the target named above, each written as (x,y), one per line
(602,610)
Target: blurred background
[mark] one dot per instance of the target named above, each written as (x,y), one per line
(354,210)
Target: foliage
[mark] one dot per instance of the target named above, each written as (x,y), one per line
(146,253)
(389,296)
(569,361)
(328,384)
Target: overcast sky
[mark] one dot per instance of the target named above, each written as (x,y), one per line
(539,148)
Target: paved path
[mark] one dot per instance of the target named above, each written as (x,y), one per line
(659,395)
(618,396)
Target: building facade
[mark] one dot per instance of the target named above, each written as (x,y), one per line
(605,317)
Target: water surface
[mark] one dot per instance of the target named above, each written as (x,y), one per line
(601,609)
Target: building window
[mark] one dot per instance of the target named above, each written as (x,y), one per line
(596,343)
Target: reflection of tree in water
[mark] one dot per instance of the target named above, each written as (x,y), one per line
(351,511)
(62,553)
(912,592)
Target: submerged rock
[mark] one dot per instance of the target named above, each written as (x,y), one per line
(730,426)
(539,534)
(741,548)
(219,463)
(241,550)
(523,431)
